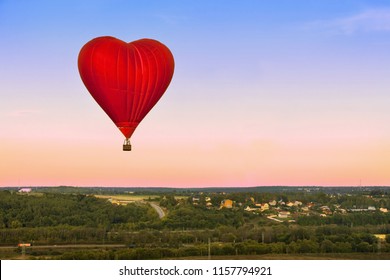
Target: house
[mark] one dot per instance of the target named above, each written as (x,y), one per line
(227,203)
(326,210)
(207,199)
(281,202)
(272,203)
(284,214)
(384,210)
(250,209)
(195,200)
(297,203)
(264,206)
(310,204)
(290,204)
(341,210)
(380,237)
(25,190)
(305,208)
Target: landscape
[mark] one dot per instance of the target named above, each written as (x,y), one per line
(153,136)
(103,223)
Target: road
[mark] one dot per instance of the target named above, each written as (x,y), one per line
(273,218)
(158,209)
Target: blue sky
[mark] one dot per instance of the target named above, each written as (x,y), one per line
(264,93)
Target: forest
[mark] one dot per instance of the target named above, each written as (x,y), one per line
(195,225)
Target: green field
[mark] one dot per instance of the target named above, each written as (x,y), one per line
(125,197)
(134,197)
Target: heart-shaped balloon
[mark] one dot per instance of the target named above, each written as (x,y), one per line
(126,79)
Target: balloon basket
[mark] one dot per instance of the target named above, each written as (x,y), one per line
(127,145)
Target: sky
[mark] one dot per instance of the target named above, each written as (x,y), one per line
(264,93)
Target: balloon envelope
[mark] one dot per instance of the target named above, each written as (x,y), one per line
(126,79)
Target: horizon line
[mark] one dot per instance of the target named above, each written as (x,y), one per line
(206,187)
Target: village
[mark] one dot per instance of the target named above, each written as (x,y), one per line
(283,211)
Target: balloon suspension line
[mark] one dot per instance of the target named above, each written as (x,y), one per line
(127,145)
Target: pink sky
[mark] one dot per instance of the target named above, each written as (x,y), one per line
(300,97)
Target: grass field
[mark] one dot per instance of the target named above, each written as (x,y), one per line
(125,197)
(129,198)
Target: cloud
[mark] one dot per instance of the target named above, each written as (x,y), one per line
(373,20)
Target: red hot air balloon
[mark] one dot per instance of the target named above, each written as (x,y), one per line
(126,79)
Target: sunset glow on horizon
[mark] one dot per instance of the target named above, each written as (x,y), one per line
(293,93)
